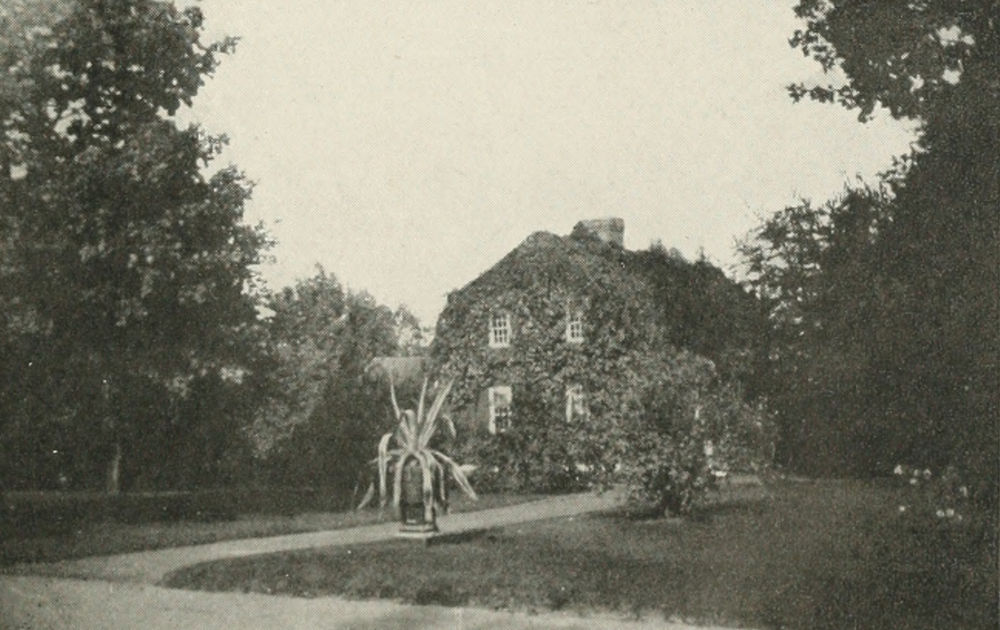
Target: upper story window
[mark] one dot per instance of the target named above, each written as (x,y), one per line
(500,332)
(574,326)
(500,413)
(576,403)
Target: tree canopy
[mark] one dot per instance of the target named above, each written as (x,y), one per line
(906,56)
(324,408)
(320,334)
(127,267)
(883,302)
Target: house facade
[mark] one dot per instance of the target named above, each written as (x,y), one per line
(569,328)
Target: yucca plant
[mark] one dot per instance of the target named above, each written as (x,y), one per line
(412,438)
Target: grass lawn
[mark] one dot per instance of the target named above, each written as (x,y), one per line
(807,555)
(109,537)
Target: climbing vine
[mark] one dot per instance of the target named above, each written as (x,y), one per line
(627,347)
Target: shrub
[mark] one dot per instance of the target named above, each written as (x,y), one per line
(333,444)
(522,460)
(41,514)
(693,430)
(32,514)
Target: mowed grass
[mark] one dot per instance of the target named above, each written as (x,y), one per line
(110,537)
(823,555)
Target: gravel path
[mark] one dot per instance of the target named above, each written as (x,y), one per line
(149,567)
(121,591)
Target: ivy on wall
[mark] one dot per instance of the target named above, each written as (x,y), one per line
(637,306)
(538,285)
(660,415)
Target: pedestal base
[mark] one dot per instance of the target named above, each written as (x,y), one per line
(418,532)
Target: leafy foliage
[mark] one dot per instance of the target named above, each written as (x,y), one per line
(321,404)
(128,274)
(943,497)
(899,324)
(905,56)
(318,333)
(332,447)
(704,311)
(817,273)
(693,429)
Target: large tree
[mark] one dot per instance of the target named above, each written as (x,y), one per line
(815,270)
(322,410)
(127,269)
(920,286)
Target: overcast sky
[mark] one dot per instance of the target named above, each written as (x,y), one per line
(407,146)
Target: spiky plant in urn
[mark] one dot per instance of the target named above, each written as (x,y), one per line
(419,471)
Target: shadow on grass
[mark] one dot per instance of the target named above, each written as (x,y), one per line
(457,538)
(751,507)
(745,499)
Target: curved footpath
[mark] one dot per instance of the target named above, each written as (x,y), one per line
(121,591)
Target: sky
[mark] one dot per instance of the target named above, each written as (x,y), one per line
(407,146)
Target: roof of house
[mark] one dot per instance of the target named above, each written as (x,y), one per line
(545,258)
(700,307)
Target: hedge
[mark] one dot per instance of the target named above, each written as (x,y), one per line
(29,514)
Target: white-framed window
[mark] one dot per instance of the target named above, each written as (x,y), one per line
(574,325)
(576,403)
(500,414)
(500,332)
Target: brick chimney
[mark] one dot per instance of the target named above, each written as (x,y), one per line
(609,229)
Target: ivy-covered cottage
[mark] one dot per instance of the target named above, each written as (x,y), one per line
(574,330)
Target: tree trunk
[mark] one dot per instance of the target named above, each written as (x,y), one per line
(113,482)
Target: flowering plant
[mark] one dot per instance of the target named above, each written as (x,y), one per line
(943,497)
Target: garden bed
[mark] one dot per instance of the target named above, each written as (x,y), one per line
(823,555)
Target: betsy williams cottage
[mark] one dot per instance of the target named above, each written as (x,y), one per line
(574,329)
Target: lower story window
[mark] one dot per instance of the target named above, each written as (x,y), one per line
(500,414)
